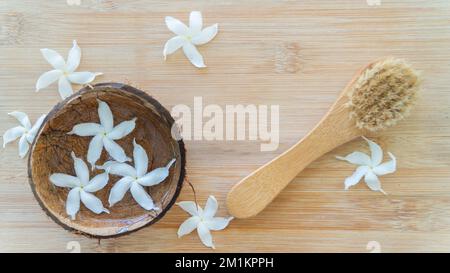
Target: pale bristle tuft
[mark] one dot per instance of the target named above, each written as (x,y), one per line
(383,94)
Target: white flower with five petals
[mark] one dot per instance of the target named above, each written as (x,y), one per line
(202,220)
(64,72)
(135,178)
(26,132)
(369,166)
(104,135)
(189,37)
(81,188)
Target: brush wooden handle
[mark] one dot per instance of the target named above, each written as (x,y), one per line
(256,191)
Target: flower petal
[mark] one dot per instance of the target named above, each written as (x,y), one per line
(95,150)
(36,126)
(218,223)
(114,150)
(156,176)
(97,183)
(188,226)
(356,158)
(210,207)
(189,207)
(373,182)
(206,35)
(81,169)
(64,87)
(65,180)
(386,168)
(29,138)
(12,134)
(173,45)
(23,146)
(73,60)
(199,211)
(176,26)
(82,77)
(142,197)
(48,78)
(119,189)
(376,152)
(140,159)
(53,58)
(86,129)
(195,22)
(117,168)
(92,202)
(193,55)
(73,202)
(356,176)
(22,118)
(122,130)
(205,235)
(170,163)
(105,115)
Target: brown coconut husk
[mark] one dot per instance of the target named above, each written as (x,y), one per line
(50,153)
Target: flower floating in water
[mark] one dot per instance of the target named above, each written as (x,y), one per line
(81,188)
(26,132)
(134,178)
(202,220)
(369,167)
(189,37)
(64,72)
(104,135)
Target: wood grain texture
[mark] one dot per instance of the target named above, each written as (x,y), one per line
(379,95)
(255,192)
(295,54)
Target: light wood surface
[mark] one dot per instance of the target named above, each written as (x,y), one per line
(255,192)
(381,91)
(295,54)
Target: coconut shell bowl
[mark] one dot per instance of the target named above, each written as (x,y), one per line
(52,147)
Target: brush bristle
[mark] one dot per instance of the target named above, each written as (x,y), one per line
(383,94)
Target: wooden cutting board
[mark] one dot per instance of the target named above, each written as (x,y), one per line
(295,54)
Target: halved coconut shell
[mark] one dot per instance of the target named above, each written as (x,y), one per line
(50,153)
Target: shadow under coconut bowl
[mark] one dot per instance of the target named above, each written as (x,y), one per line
(51,149)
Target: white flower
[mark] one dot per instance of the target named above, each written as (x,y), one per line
(81,188)
(369,167)
(134,178)
(64,72)
(202,220)
(104,135)
(26,132)
(189,37)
